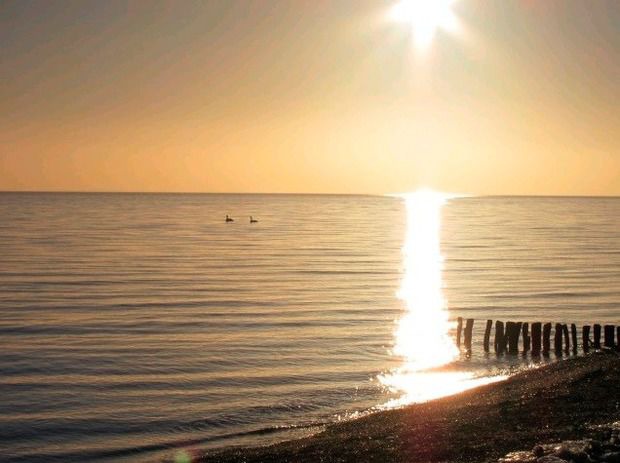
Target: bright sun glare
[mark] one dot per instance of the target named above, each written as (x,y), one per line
(422,336)
(425,17)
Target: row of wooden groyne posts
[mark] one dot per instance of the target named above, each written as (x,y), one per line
(537,341)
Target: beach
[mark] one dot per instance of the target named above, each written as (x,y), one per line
(564,400)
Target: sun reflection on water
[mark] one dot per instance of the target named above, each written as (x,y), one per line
(422,337)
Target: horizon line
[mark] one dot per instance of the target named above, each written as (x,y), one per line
(466,195)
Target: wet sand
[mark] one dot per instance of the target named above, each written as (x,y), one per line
(556,402)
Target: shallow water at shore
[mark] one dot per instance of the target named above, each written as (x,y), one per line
(135,324)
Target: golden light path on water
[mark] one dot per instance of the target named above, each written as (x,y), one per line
(422,337)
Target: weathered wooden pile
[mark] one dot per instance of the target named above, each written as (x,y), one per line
(538,339)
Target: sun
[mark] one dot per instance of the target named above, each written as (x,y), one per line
(425,18)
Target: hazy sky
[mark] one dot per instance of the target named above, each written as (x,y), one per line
(309,96)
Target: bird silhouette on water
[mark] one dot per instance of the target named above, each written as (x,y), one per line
(253,220)
(229,219)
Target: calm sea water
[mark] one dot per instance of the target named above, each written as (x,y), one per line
(132,326)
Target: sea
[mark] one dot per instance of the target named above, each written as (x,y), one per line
(144,327)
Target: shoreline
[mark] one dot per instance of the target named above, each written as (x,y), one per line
(555,402)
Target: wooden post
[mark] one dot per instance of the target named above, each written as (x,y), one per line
(573,333)
(487,335)
(508,336)
(516,336)
(459,328)
(513,330)
(536,333)
(546,338)
(500,344)
(557,340)
(585,337)
(527,341)
(469,326)
(609,335)
(597,336)
(566,338)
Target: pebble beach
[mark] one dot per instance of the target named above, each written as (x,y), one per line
(562,412)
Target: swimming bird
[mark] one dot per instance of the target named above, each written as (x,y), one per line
(253,220)
(229,219)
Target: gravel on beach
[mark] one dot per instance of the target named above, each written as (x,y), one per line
(540,415)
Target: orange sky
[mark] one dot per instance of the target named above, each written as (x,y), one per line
(299,96)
